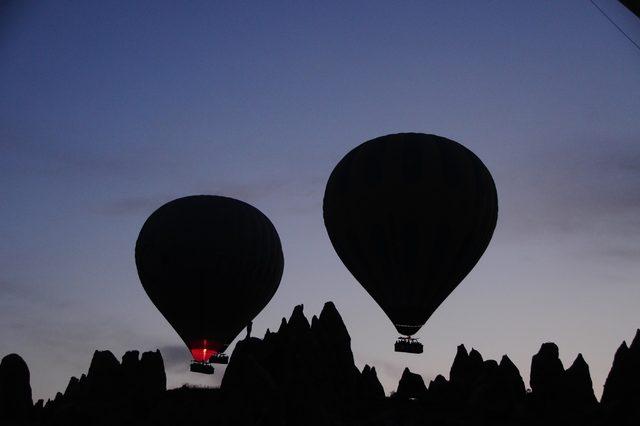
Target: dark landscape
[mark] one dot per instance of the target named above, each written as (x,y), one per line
(456,175)
(304,374)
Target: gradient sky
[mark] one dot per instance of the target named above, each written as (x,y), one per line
(110,109)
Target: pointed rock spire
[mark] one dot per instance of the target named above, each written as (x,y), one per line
(71,387)
(616,380)
(315,323)
(332,324)
(298,322)
(411,386)
(104,375)
(511,377)
(623,382)
(466,368)
(283,326)
(577,386)
(459,372)
(370,386)
(475,356)
(635,343)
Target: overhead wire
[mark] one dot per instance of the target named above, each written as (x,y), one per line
(614,24)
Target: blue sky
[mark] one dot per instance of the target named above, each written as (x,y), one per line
(110,109)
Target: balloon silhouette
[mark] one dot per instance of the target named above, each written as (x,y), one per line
(410,215)
(209,264)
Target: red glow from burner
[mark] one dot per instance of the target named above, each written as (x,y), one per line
(204,349)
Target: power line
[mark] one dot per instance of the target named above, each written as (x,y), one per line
(614,24)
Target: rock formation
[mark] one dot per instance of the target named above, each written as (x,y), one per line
(465,368)
(546,376)
(305,374)
(511,378)
(441,393)
(308,366)
(370,386)
(577,386)
(411,386)
(15,388)
(498,391)
(623,381)
(621,396)
(560,392)
(109,389)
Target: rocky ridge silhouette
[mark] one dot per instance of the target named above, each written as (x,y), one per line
(305,374)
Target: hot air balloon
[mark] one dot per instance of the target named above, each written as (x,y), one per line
(209,264)
(410,215)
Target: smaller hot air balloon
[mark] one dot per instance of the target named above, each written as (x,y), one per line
(209,264)
(410,215)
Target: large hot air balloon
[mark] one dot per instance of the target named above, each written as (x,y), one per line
(410,215)
(209,264)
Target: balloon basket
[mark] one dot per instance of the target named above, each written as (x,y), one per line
(219,359)
(201,367)
(408,345)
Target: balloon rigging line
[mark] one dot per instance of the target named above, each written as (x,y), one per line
(614,24)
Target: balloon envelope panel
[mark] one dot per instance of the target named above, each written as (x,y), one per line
(209,264)
(410,215)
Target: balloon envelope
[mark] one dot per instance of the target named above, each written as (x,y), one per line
(410,215)
(209,264)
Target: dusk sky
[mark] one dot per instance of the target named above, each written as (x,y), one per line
(110,109)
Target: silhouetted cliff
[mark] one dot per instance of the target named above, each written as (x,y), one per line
(304,374)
